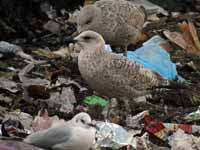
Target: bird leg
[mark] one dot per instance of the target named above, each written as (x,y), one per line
(125,51)
(109,109)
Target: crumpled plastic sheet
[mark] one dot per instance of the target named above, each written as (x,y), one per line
(25,118)
(113,136)
(144,143)
(182,141)
(135,121)
(66,99)
(43,121)
(8,48)
(153,56)
(13,128)
(9,85)
(164,130)
(193,116)
(95,100)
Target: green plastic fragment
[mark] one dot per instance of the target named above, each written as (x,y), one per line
(95,100)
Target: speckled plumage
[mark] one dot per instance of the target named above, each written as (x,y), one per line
(110,74)
(118,21)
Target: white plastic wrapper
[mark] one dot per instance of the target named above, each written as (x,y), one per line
(8,48)
(113,136)
(108,48)
(183,141)
(135,121)
(193,116)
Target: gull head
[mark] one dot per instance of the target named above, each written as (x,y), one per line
(82,119)
(90,40)
(88,18)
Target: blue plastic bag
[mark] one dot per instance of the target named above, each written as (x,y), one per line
(154,57)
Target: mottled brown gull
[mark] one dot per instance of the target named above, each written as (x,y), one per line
(110,74)
(118,21)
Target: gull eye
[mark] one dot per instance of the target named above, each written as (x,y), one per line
(88,21)
(83,121)
(87,38)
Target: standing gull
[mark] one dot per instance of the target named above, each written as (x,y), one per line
(76,134)
(110,74)
(118,21)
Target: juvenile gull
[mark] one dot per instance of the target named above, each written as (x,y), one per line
(118,21)
(110,74)
(76,134)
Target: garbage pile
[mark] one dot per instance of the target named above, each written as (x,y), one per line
(50,100)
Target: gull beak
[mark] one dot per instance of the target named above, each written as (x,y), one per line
(70,40)
(78,38)
(93,124)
